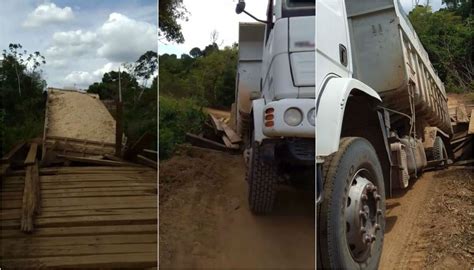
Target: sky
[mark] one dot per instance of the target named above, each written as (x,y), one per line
(209,15)
(81,40)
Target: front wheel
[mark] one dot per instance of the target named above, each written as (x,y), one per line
(262,181)
(351,215)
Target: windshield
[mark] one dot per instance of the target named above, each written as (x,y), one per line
(294,8)
(299,3)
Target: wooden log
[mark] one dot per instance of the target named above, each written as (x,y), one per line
(30,198)
(147,162)
(31,157)
(205,143)
(96,161)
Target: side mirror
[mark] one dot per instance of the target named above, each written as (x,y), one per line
(240,7)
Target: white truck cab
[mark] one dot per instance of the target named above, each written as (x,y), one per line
(275,96)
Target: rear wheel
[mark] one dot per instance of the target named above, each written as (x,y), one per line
(439,151)
(351,215)
(262,180)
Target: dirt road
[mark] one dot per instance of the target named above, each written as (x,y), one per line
(431,224)
(205,221)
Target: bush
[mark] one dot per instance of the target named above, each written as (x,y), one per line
(177,116)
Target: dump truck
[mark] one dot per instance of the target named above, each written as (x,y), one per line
(382,118)
(346,89)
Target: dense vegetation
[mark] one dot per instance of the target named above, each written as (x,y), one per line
(202,78)
(139,97)
(21,94)
(448,37)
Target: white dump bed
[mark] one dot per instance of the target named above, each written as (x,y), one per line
(388,56)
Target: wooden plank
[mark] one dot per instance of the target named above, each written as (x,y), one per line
(150,151)
(83,231)
(461,114)
(228,143)
(129,260)
(217,125)
(7,157)
(30,199)
(96,161)
(146,161)
(233,137)
(203,142)
(31,157)
(113,158)
(471,123)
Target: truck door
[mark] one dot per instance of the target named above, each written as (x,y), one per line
(333,55)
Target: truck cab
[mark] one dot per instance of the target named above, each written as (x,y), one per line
(275,97)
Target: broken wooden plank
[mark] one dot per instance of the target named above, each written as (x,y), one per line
(471,123)
(205,143)
(97,161)
(147,162)
(216,123)
(58,138)
(31,157)
(233,137)
(7,157)
(228,143)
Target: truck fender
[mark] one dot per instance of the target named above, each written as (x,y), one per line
(330,106)
(257,112)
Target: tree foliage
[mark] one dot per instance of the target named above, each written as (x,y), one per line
(22,95)
(139,100)
(207,76)
(170,12)
(448,37)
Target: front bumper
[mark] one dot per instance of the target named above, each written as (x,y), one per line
(280,128)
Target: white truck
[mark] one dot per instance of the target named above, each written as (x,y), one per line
(352,77)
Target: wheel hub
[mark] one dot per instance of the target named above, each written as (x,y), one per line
(363,214)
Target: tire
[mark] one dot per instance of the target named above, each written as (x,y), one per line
(356,157)
(262,181)
(439,151)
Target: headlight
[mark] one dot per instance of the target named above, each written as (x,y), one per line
(293,116)
(312,116)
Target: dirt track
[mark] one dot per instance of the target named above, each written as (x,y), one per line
(430,225)
(205,221)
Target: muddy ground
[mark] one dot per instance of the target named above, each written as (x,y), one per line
(205,221)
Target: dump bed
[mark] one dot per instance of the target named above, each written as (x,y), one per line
(388,56)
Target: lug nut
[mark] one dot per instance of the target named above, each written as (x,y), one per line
(372,238)
(364,197)
(367,239)
(379,211)
(377,227)
(363,230)
(377,197)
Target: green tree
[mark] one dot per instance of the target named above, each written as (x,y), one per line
(449,41)
(22,95)
(170,12)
